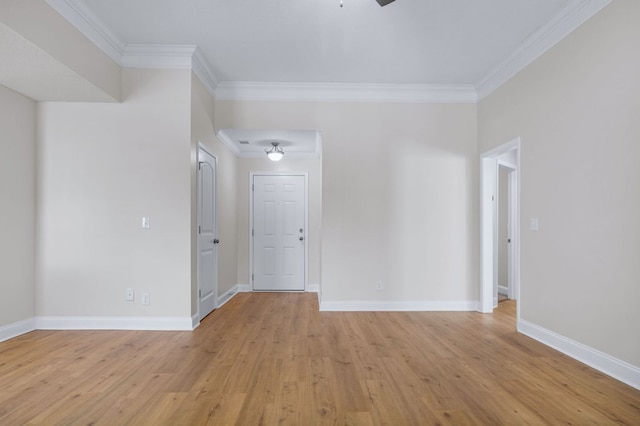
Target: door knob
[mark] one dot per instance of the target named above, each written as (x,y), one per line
(301,238)
(216,241)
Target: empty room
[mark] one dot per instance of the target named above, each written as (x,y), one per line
(319,212)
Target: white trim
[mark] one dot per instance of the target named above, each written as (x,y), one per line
(90,26)
(616,368)
(228,142)
(244,288)
(313,288)
(227,296)
(488,226)
(567,20)
(504,290)
(202,70)
(158,56)
(391,306)
(16,329)
(135,55)
(329,92)
(115,323)
(195,320)
(502,149)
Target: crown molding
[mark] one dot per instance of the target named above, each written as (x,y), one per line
(567,20)
(158,56)
(134,55)
(330,92)
(228,142)
(91,27)
(202,70)
(170,56)
(189,57)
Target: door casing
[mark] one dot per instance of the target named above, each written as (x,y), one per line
(488,224)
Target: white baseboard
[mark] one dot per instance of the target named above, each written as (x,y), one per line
(195,321)
(115,323)
(227,296)
(502,289)
(389,305)
(244,288)
(618,369)
(16,329)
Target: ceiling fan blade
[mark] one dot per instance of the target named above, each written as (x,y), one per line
(384,2)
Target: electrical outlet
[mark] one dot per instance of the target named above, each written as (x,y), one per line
(145,298)
(130,294)
(379,285)
(146,222)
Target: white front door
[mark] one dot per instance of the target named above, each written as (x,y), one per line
(279,212)
(207,234)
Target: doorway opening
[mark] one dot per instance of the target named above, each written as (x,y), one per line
(507,181)
(500,226)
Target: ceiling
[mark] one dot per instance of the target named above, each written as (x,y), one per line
(296,144)
(317,41)
(407,51)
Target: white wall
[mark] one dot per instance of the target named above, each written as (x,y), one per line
(43,27)
(101,168)
(203,131)
(576,110)
(17,204)
(399,195)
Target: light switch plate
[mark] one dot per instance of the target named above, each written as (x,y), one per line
(146,222)
(534,224)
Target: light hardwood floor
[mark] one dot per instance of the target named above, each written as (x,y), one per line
(267,358)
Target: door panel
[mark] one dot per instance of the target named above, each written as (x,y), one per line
(207,234)
(279,205)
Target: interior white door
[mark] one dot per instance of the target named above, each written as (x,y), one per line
(207,234)
(279,211)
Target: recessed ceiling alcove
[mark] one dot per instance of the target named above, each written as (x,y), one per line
(297,144)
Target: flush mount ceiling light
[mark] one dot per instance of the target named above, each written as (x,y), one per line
(275,153)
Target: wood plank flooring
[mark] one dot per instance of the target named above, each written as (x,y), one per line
(267,358)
